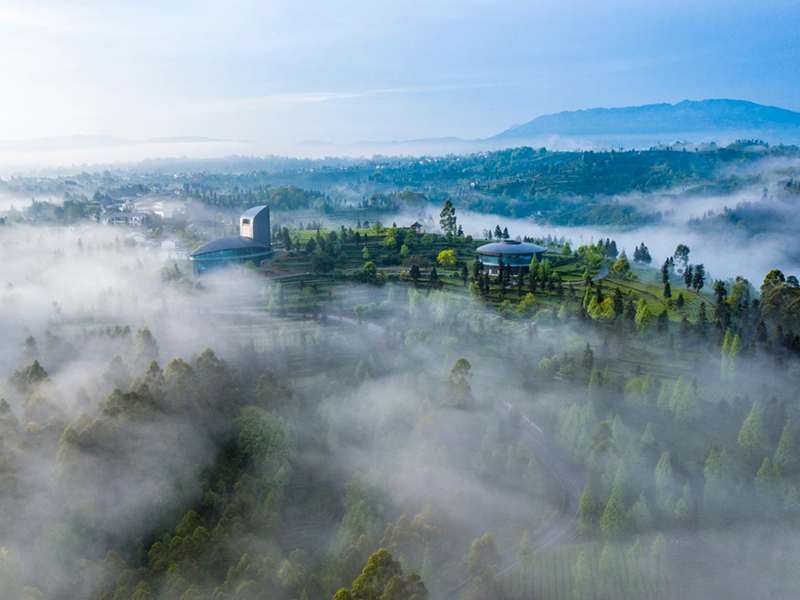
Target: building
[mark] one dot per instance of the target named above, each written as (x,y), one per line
(128,219)
(169,209)
(252,244)
(511,252)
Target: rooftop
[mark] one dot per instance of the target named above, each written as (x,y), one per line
(234,242)
(508,247)
(252,212)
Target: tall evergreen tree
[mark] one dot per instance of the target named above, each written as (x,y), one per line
(699,278)
(785,459)
(753,435)
(688,275)
(587,510)
(614,522)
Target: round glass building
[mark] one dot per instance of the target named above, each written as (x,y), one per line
(517,255)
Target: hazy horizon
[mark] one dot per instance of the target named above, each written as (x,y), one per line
(346,71)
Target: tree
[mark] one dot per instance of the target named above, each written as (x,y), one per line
(688,274)
(608,572)
(459,392)
(375,576)
(587,510)
(414,272)
(642,255)
(614,522)
(753,435)
(619,305)
(435,283)
(681,255)
(588,359)
(699,279)
(582,578)
(446,258)
(447,218)
(643,318)
(365,253)
(640,515)
(664,481)
(774,278)
(667,291)
(370,272)
(658,552)
(483,555)
(621,267)
(784,459)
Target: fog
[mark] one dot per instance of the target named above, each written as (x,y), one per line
(369,401)
(725,253)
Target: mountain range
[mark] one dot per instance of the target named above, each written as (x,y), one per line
(699,122)
(703,116)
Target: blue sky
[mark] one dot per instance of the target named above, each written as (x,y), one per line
(347,70)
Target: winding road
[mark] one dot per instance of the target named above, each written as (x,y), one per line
(563,529)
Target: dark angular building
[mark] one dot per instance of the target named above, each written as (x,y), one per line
(516,254)
(252,243)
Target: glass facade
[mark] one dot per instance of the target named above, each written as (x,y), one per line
(515,260)
(225,258)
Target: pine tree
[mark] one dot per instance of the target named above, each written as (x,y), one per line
(608,572)
(791,504)
(619,306)
(637,570)
(582,578)
(784,459)
(588,359)
(658,552)
(664,481)
(614,522)
(699,278)
(667,291)
(587,511)
(640,515)
(753,435)
(648,437)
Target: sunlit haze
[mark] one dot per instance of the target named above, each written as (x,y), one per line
(278,73)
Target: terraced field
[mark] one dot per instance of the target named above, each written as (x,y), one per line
(551,576)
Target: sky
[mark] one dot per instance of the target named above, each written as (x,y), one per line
(349,70)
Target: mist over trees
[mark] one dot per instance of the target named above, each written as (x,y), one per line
(379,411)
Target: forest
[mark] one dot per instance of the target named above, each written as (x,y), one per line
(370,415)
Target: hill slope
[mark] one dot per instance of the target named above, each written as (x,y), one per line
(685,117)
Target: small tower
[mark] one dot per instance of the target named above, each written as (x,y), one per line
(254,224)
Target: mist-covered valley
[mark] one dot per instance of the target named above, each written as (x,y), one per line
(378,411)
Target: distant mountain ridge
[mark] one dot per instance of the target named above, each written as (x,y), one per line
(706,116)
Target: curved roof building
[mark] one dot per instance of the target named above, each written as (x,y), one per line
(516,254)
(252,243)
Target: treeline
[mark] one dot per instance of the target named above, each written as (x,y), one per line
(286,197)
